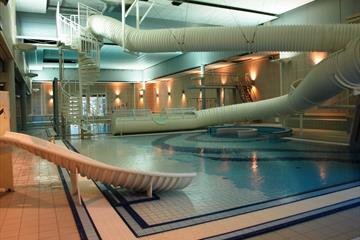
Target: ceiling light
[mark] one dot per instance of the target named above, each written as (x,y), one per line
(176,3)
(31,75)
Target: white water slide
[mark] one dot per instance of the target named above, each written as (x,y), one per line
(341,70)
(78,164)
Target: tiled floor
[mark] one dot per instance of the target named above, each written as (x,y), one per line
(38,209)
(343,225)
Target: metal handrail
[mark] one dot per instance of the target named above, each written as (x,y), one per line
(73,32)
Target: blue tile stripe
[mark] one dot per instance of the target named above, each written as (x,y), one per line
(167,226)
(77,219)
(161,143)
(286,158)
(75,213)
(270,203)
(288,221)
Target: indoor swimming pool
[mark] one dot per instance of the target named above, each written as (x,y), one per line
(234,175)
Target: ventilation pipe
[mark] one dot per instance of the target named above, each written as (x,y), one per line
(322,38)
(339,71)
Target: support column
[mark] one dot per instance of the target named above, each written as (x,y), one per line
(137,15)
(283,119)
(218,97)
(144,88)
(74,178)
(123,24)
(134,95)
(60,81)
(355,129)
(6,169)
(203,94)
(10,71)
(56,105)
(23,106)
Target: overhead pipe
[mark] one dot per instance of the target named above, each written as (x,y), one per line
(326,38)
(339,71)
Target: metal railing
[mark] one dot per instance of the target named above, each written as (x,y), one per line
(72,32)
(177,112)
(132,113)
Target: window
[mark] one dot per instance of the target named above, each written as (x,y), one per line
(97,105)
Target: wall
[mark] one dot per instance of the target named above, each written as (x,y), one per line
(106,75)
(118,95)
(6,169)
(41,100)
(320,12)
(14,66)
(299,67)
(8,20)
(261,70)
(267,80)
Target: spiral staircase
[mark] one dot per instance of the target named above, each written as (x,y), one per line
(73,34)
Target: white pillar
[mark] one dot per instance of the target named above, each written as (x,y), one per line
(6,169)
(203,94)
(123,23)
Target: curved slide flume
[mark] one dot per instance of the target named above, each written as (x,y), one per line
(78,164)
(339,71)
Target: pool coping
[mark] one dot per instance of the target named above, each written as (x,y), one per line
(231,212)
(287,221)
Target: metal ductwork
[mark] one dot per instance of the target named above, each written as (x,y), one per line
(339,71)
(252,39)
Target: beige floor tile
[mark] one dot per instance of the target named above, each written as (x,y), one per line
(34,210)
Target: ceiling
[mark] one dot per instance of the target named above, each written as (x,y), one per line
(37,21)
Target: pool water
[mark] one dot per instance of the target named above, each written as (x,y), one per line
(231,172)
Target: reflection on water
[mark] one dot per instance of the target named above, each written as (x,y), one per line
(254,163)
(275,168)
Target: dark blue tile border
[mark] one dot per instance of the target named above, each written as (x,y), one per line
(121,201)
(288,221)
(286,158)
(196,220)
(161,143)
(273,202)
(77,219)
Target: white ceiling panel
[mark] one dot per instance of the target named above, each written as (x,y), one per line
(269,6)
(33,6)
(191,13)
(113,57)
